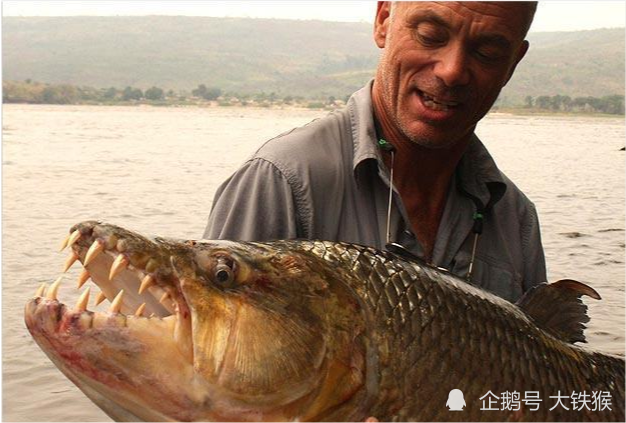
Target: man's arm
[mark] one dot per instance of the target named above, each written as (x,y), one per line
(255,204)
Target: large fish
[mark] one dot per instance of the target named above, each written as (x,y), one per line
(312,330)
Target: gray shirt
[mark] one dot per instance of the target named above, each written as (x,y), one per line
(327,180)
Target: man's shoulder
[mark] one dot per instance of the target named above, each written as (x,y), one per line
(515,198)
(320,145)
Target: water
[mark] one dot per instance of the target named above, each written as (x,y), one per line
(154,170)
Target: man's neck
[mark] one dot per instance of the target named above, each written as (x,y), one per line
(422,175)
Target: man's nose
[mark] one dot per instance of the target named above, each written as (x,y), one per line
(452,66)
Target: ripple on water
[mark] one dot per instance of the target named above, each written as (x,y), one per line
(572,234)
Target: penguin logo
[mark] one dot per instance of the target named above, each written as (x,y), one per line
(456,402)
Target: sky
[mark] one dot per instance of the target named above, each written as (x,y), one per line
(551,15)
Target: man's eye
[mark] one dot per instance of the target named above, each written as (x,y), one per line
(429,41)
(490,55)
(429,36)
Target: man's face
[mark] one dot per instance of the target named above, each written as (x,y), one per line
(444,64)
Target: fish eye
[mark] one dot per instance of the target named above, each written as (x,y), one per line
(224,272)
(223,275)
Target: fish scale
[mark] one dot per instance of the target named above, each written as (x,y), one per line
(435,358)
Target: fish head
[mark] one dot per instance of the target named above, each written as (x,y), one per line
(222,331)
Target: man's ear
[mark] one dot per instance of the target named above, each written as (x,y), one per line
(381,23)
(520,55)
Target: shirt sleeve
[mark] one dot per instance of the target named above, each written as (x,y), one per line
(534,258)
(255,204)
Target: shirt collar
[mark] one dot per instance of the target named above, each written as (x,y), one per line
(478,176)
(364,137)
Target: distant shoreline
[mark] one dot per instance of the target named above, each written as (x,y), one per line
(551,113)
(34,92)
(504,111)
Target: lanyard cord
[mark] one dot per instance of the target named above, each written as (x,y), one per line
(394,247)
(478,216)
(390,199)
(477,229)
(385,145)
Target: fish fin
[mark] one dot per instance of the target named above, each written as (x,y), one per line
(557,308)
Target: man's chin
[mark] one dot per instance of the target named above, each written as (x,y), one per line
(434,138)
(434,144)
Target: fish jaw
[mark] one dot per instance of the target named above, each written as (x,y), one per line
(133,361)
(118,361)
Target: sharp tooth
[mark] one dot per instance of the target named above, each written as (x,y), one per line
(73,238)
(95,249)
(101,297)
(140,310)
(146,282)
(120,263)
(81,304)
(64,243)
(116,304)
(42,290)
(54,288)
(152,314)
(70,261)
(82,278)
(164,297)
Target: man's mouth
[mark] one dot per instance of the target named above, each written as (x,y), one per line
(436,103)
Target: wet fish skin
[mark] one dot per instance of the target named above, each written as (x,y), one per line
(415,333)
(434,333)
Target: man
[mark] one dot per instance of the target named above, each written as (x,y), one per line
(441,69)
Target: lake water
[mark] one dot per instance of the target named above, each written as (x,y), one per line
(155,170)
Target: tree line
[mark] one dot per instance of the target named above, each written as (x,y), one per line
(29,91)
(32,92)
(611,104)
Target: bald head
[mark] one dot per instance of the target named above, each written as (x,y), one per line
(526,9)
(443,64)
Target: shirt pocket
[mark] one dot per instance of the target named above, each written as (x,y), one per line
(490,274)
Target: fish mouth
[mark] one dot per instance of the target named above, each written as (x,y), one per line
(134,273)
(200,330)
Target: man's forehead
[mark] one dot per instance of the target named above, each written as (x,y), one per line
(492,8)
(513,13)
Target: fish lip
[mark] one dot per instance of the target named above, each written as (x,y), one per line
(47,313)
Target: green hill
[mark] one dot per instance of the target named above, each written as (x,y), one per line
(308,58)
(579,63)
